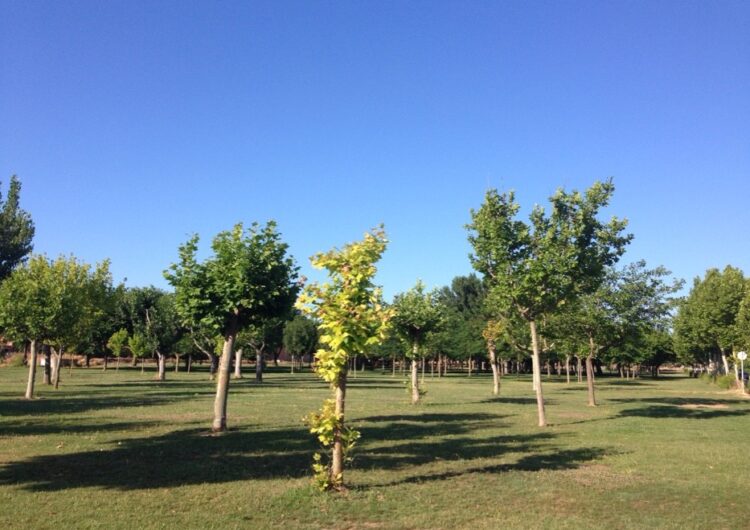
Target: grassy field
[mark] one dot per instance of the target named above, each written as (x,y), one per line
(118,450)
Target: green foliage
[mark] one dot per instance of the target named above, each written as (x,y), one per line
(248,279)
(300,335)
(534,268)
(16,230)
(415,314)
(141,344)
(352,320)
(117,342)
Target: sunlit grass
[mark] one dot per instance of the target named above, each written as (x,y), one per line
(119,450)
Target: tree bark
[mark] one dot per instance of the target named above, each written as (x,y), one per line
(259,366)
(421,380)
(32,371)
(493,364)
(567,368)
(222,385)
(214,366)
(337,453)
(590,373)
(536,368)
(414,376)
(56,367)
(725,362)
(238,364)
(104,367)
(161,374)
(47,366)
(579,369)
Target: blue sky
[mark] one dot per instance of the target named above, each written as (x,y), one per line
(134,124)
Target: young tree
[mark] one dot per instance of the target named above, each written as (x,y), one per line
(16,230)
(415,314)
(535,268)
(117,344)
(352,320)
(300,337)
(248,280)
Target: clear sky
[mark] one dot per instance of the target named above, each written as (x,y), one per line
(134,124)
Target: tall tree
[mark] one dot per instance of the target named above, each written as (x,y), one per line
(534,268)
(415,314)
(249,279)
(16,230)
(352,320)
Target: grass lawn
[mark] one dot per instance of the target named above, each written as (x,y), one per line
(118,450)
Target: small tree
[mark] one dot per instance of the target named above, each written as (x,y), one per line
(352,320)
(415,314)
(117,344)
(248,279)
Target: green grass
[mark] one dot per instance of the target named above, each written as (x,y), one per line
(118,450)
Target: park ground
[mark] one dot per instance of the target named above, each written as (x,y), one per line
(116,449)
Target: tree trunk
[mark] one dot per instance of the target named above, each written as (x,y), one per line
(56,368)
(47,366)
(133,361)
(393,366)
(567,368)
(258,366)
(414,376)
(421,381)
(176,364)
(32,371)
(725,362)
(579,369)
(189,362)
(337,454)
(214,366)
(238,364)
(117,364)
(293,359)
(104,367)
(161,374)
(590,373)
(469,365)
(493,364)
(536,368)
(222,386)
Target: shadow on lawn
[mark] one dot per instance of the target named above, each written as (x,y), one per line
(690,408)
(191,456)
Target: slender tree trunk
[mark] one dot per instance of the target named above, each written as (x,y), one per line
(293,358)
(469,365)
(32,371)
(47,366)
(259,366)
(133,361)
(189,362)
(579,369)
(421,381)
(725,362)
(536,368)
(337,455)
(493,364)
(238,363)
(432,368)
(393,366)
(117,364)
(414,376)
(222,386)
(214,366)
(176,364)
(590,373)
(57,368)
(104,368)
(161,374)
(567,368)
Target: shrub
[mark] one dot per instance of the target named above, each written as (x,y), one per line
(15,360)
(726,381)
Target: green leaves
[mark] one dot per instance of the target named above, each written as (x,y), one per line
(16,230)
(248,279)
(415,314)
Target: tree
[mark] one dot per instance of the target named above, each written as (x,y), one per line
(352,319)
(705,324)
(50,301)
(415,314)
(117,344)
(16,230)
(300,337)
(535,268)
(248,280)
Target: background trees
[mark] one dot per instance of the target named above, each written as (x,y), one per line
(300,337)
(249,279)
(534,268)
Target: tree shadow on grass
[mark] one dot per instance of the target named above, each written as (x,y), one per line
(45,427)
(178,458)
(514,400)
(678,407)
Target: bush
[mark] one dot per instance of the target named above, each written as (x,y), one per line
(15,360)
(726,381)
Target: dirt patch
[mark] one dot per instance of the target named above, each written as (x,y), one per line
(694,406)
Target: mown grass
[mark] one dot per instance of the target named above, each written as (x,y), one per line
(119,450)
